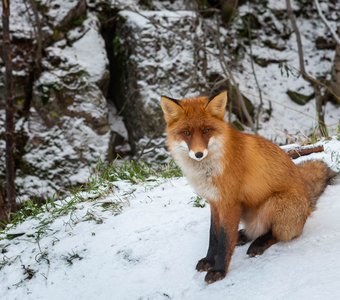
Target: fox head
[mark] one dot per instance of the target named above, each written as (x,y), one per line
(194,125)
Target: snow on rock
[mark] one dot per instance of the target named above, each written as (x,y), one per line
(175,53)
(60,156)
(68,130)
(159,57)
(171,5)
(149,251)
(60,13)
(88,49)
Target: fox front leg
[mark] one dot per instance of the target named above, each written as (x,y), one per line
(218,271)
(208,262)
(227,238)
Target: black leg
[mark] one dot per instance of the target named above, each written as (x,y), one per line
(261,244)
(218,271)
(208,262)
(242,238)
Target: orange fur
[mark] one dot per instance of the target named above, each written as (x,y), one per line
(242,176)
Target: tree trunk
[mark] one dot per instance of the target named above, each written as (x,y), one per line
(36,64)
(10,145)
(3,215)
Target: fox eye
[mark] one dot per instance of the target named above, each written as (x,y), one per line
(205,130)
(186,132)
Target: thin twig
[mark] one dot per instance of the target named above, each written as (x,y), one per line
(323,18)
(255,76)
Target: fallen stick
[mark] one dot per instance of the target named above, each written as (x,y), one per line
(304,150)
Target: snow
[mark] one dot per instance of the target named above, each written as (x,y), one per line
(135,19)
(87,51)
(90,50)
(149,251)
(59,9)
(116,121)
(281,5)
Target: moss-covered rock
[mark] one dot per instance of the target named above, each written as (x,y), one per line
(299,98)
(264,62)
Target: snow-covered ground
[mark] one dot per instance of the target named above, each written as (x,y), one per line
(150,249)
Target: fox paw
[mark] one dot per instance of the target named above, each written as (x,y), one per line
(204,265)
(242,238)
(214,275)
(255,250)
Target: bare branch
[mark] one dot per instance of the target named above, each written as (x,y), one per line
(302,151)
(255,77)
(298,37)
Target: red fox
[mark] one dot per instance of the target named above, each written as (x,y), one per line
(243,177)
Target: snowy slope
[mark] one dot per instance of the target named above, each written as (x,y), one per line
(150,250)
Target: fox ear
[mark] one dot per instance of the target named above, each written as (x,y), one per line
(216,106)
(171,108)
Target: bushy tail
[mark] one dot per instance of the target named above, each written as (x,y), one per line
(317,175)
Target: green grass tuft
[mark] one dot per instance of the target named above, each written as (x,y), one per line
(100,184)
(70,257)
(198,202)
(134,172)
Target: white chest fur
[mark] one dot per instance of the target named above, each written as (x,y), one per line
(201,174)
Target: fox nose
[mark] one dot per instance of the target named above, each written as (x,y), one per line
(199,154)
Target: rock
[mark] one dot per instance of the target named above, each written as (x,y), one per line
(67,130)
(58,156)
(264,62)
(76,87)
(251,21)
(63,14)
(155,54)
(322,43)
(274,45)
